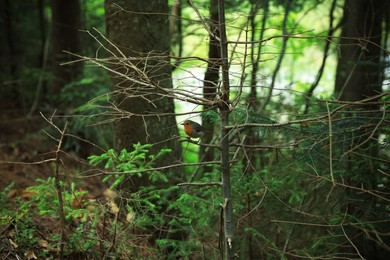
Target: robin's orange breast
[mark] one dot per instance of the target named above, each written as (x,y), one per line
(188,129)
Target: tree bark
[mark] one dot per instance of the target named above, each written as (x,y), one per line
(176,32)
(9,67)
(141,32)
(66,22)
(210,83)
(359,72)
(360,75)
(252,99)
(228,218)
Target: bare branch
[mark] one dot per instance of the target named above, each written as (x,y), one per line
(201,184)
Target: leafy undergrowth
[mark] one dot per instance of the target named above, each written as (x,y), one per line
(29,217)
(30,223)
(88,223)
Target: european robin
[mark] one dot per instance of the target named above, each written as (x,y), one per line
(192,129)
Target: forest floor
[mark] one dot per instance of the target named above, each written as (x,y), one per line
(25,156)
(24,146)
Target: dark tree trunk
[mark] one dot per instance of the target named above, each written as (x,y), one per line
(64,36)
(359,72)
(229,244)
(251,158)
(252,99)
(10,37)
(210,84)
(360,75)
(176,31)
(9,66)
(140,30)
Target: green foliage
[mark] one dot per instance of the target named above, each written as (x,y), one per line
(88,99)
(79,93)
(4,216)
(146,205)
(23,216)
(130,163)
(17,214)
(210,116)
(95,14)
(25,237)
(46,201)
(291,184)
(152,205)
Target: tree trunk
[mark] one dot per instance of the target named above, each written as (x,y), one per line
(9,67)
(359,75)
(65,25)
(176,32)
(210,84)
(140,31)
(229,243)
(359,72)
(252,99)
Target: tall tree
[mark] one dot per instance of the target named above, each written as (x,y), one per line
(359,70)
(21,46)
(66,20)
(140,32)
(360,75)
(9,64)
(210,83)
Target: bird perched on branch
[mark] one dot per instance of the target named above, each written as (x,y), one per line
(192,129)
